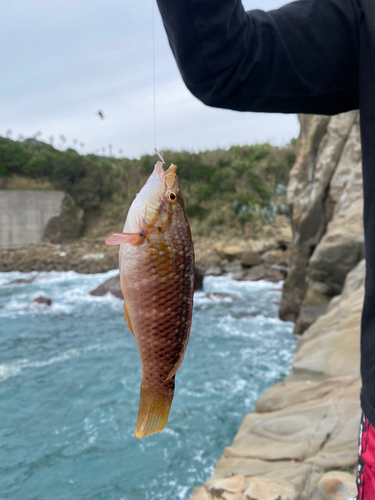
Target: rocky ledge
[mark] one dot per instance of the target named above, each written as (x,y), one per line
(301,441)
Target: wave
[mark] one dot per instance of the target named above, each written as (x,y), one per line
(13,369)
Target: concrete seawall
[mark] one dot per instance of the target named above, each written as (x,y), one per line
(25,214)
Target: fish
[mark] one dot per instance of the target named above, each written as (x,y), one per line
(156,262)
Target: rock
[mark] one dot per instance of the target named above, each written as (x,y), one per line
(262,272)
(261,488)
(112,286)
(276,258)
(201,494)
(354,281)
(67,226)
(215,270)
(199,275)
(264,245)
(336,485)
(302,438)
(250,259)
(92,256)
(232,267)
(284,237)
(229,252)
(221,296)
(339,332)
(324,194)
(21,281)
(42,300)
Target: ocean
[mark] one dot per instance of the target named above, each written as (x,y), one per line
(69,388)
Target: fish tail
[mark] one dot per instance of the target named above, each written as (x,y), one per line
(153,411)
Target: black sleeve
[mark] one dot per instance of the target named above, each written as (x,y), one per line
(301,58)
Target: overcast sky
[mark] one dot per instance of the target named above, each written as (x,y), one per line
(63,60)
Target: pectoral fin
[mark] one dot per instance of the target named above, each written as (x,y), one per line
(122,238)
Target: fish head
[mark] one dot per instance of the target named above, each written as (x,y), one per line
(160,199)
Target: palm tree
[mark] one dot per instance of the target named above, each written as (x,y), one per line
(8,133)
(51,139)
(63,139)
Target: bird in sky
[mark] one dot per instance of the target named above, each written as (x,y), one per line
(101,114)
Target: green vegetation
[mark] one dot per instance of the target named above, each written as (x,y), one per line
(222,189)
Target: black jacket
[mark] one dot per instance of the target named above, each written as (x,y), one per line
(310,56)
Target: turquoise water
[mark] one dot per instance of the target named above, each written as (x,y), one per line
(69,389)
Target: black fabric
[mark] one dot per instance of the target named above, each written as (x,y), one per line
(310,56)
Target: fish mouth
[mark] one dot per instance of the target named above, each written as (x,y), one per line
(172,169)
(159,169)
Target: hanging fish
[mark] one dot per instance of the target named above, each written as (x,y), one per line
(156,263)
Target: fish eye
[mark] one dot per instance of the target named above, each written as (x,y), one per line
(171,196)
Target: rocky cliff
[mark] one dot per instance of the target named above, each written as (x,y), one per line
(325,199)
(301,441)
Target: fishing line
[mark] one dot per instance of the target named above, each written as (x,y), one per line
(154,78)
(153,68)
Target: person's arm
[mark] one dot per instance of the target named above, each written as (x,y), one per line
(300,58)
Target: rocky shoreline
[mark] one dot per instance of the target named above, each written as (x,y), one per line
(301,441)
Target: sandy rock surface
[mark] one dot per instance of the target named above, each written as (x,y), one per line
(301,441)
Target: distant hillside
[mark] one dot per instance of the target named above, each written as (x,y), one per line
(235,190)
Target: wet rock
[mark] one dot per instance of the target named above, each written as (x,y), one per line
(112,286)
(263,272)
(42,300)
(21,281)
(221,296)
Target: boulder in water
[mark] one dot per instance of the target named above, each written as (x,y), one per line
(112,286)
(42,300)
(21,281)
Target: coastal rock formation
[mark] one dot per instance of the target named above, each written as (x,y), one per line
(301,441)
(325,197)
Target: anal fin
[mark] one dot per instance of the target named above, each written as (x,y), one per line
(128,319)
(176,366)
